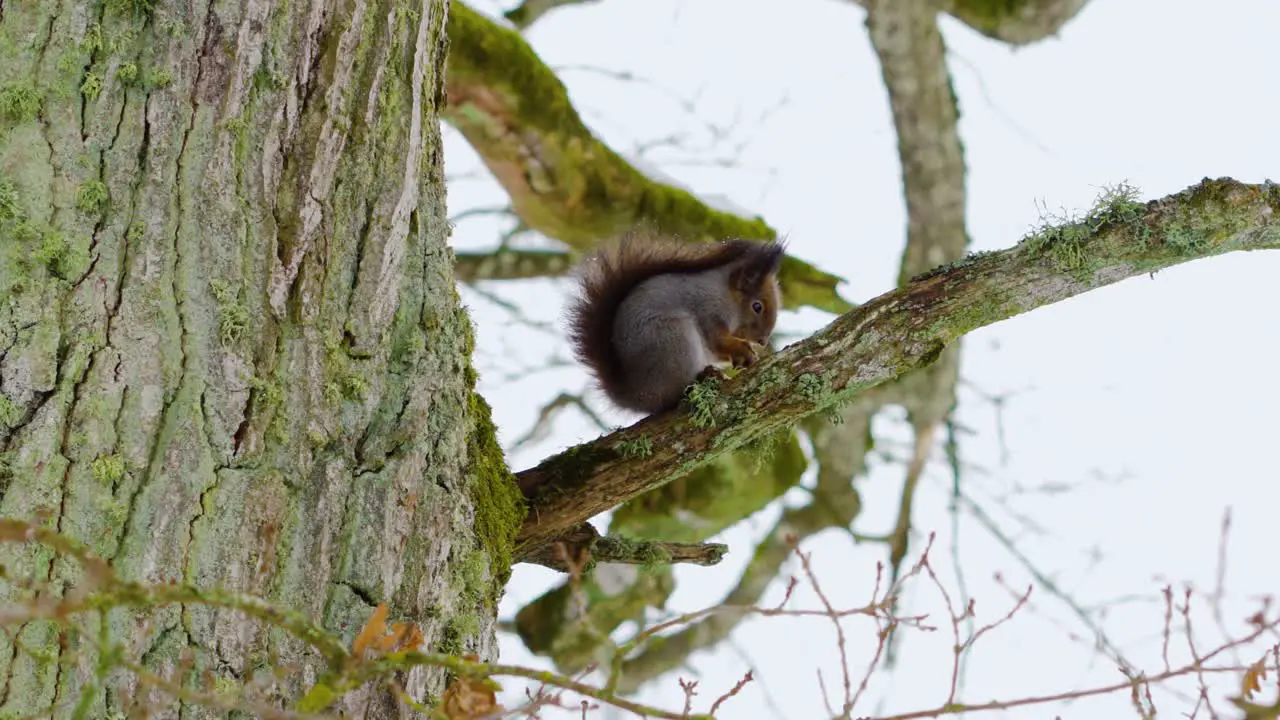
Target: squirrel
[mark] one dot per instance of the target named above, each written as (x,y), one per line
(655,315)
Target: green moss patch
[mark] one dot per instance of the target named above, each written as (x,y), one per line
(1062,237)
(499,505)
(19,102)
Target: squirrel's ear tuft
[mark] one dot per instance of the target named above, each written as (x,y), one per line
(759,262)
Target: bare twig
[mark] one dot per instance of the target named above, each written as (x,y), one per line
(737,688)
(547,414)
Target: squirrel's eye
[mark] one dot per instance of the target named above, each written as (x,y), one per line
(758,307)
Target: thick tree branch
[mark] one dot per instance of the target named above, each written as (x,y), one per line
(894,334)
(1017,22)
(563,182)
(913,63)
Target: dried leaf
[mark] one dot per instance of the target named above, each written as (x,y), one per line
(405,636)
(469,698)
(1253,677)
(98,572)
(374,629)
(387,643)
(401,637)
(16,531)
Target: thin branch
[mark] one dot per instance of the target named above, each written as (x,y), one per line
(900,538)
(961,708)
(709,627)
(103,589)
(653,552)
(529,11)
(737,687)
(1099,635)
(470,267)
(547,415)
(586,541)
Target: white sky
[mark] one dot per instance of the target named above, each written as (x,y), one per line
(1152,401)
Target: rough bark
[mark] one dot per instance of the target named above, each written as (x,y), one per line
(231,353)
(893,334)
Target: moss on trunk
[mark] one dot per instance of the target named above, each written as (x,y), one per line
(232,352)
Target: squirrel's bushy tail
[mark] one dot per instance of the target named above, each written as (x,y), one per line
(609,274)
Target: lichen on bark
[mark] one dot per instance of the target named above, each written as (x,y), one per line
(233,353)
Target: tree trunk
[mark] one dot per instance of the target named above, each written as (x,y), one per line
(231,351)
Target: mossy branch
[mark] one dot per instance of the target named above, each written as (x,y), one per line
(585,544)
(529,11)
(562,180)
(1017,22)
(470,267)
(896,333)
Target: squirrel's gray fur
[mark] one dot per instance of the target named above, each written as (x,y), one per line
(652,311)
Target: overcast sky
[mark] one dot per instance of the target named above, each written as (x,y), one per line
(1150,404)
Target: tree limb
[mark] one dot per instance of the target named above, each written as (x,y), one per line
(913,64)
(529,11)
(470,267)
(585,543)
(894,334)
(1017,22)
(563,182)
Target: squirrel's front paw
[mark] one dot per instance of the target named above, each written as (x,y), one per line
(711,372)
(743,356)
